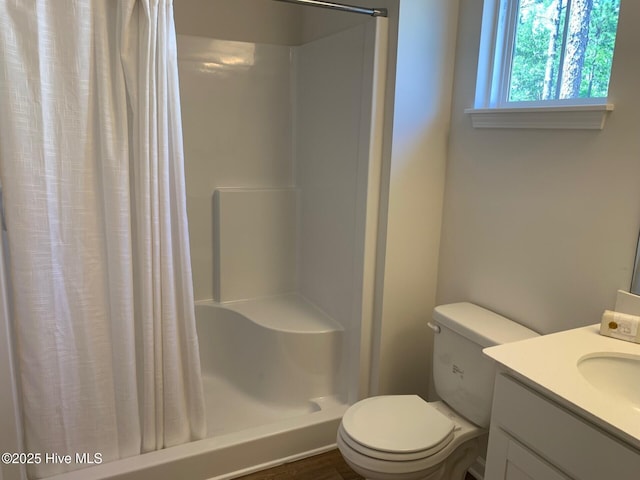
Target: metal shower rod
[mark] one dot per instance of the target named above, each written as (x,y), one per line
(374,12)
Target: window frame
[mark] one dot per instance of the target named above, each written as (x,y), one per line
(492,108)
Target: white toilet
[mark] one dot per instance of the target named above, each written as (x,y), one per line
(402,437)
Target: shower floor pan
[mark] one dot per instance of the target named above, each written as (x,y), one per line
(230,410)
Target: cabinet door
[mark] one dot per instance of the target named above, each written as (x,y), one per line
(511,461)
(559,437)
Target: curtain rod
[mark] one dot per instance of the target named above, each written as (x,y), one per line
(374,12)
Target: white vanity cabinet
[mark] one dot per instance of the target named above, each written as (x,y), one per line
(535,438)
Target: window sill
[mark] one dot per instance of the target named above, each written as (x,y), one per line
(579,117)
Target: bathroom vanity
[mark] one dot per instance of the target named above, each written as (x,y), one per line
(566,406)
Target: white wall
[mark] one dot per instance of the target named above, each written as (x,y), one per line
(317,23)
(333,127)
(254,242)
(236,117)
(261,21)
(541,225)
(258,21)
(328,123)
(410,229)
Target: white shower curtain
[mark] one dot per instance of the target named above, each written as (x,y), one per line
(91,164)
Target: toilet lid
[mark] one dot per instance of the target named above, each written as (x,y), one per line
(397,423)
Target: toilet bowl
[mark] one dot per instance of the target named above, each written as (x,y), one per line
(402,437)
(409,439)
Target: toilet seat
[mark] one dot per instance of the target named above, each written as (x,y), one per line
(396,428)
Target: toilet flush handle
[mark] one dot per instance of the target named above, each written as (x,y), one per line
(433,326)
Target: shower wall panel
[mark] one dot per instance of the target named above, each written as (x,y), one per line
(236,115)
(332,114)
(259,116)
(265,117)
(254,243)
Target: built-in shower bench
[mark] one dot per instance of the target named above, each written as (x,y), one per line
(255,260)
(288,313)
(276,355)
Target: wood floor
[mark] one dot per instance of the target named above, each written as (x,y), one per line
(327,466)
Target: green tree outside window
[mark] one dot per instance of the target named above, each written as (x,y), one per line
(563,49)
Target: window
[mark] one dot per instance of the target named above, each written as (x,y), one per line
(546,53)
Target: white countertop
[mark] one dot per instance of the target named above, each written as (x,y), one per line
(550,362)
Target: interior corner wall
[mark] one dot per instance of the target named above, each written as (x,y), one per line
(541,225)
(240,20)
(320,22)
(424,73)
(329,83)
(262,21)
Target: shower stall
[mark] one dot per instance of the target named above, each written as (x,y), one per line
(283,154)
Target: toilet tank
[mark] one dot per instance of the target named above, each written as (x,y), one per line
(463,375)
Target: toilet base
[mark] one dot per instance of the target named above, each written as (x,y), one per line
(453,466)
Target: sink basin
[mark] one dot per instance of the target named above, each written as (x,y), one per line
(614,374)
